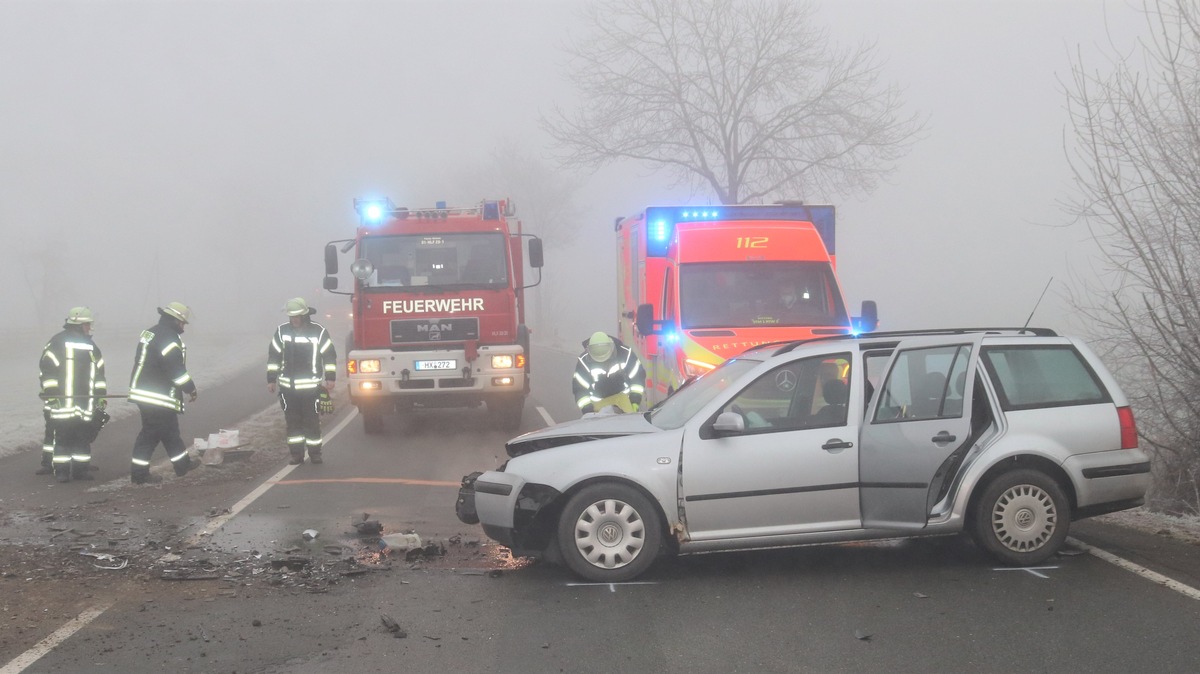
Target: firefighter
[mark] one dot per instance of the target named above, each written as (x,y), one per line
(608,373)
(160,380)
(73,383)
(302,366)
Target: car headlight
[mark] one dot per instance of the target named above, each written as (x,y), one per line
(502,362)
(369,366)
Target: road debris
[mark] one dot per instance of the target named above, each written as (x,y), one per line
(392,626)
(310,534)
(399,542)
(368,527)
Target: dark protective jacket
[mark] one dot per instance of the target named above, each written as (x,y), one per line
(298,359)
(595,381)
(72,375)
(160,375)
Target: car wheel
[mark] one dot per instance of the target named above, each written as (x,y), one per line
(609,532)
(1022,517)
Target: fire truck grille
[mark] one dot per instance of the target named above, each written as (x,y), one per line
(435,330)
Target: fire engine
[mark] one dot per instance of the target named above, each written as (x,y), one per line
(699,285)
(438,309)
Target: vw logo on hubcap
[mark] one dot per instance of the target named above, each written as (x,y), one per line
(609,534)
(1024,518)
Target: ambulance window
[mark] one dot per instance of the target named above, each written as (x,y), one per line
(669,296)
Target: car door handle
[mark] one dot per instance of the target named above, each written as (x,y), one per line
(943,437)
(837,443)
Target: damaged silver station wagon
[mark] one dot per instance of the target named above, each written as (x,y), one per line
(1009,434)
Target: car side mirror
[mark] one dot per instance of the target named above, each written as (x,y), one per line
(729,423)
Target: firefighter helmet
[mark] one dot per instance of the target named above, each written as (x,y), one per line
(600,347)
(79,316)
(298,307)
(177,310)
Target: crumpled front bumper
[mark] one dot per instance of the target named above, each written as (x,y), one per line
(464,507)
(508,509)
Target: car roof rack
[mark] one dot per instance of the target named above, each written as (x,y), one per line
(1036,332)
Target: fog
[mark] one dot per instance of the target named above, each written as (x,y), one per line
(205,151)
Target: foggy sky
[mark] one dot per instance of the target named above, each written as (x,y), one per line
(204,151)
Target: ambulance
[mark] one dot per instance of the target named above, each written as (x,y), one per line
(698,285)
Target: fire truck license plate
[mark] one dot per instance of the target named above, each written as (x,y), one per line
(436,364)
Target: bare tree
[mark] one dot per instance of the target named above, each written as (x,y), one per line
(744,97)
(1136,164)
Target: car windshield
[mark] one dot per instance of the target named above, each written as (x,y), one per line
(436,260)
(749,294)
(676,410)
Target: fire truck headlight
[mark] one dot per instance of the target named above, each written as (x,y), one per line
(502,381)
(370,386)
(502,362)
(369,366)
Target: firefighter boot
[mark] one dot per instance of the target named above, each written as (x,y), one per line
(315,457)
(145,478)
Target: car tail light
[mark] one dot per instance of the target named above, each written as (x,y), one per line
(1129,436)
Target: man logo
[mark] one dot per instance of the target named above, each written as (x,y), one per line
(434,326)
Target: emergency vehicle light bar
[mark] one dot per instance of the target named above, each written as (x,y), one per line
(661,220)
(374,211)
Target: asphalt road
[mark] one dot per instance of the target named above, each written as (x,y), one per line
(935,605)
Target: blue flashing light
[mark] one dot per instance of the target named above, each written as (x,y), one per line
(491,210)
(661,220)
(373,211)
(658,230)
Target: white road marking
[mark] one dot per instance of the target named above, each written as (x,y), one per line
(545,415)
(612,587)
(1031,569)
(1185,590)
(19,663)
(218,522)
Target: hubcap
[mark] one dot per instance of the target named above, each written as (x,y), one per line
(1024,518)
(609,534)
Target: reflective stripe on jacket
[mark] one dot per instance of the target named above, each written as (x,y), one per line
(300,358)
(622,365)
(72,375)
(160,375)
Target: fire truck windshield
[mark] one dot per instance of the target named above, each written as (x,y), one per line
(759,294)
(476,259)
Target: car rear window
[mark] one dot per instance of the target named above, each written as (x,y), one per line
(1042,376)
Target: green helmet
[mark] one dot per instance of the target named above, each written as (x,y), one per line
(79,316)
(600,346)
(178,311)
(298,307)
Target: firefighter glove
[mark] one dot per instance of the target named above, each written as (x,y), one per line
(324,403)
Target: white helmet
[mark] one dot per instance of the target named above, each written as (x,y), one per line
(178,311)
(79,316)
(298,307)
(600,347)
